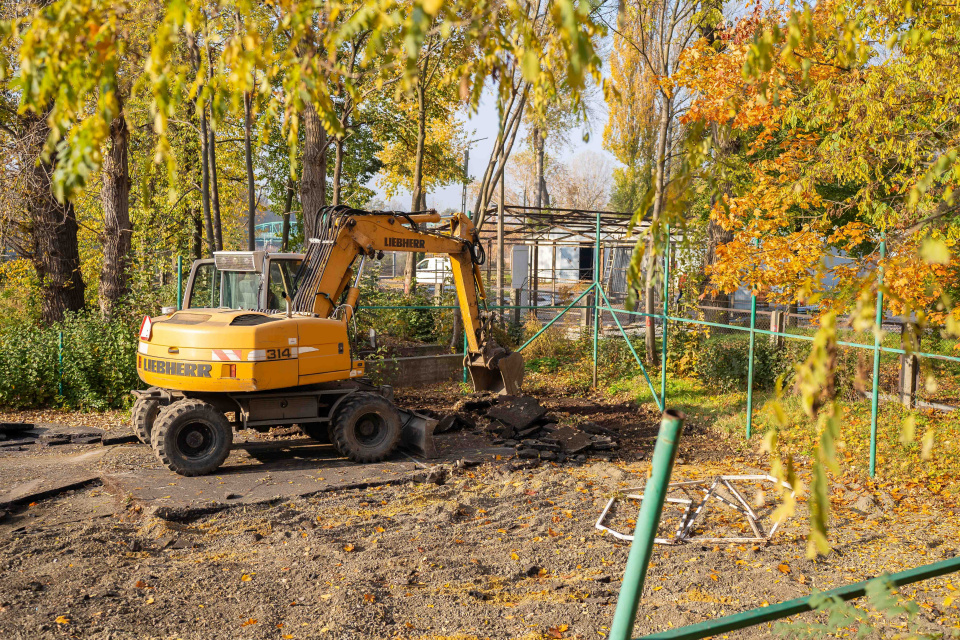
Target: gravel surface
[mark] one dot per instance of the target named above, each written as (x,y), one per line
(506,549)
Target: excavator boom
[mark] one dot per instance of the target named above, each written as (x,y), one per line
(344,234)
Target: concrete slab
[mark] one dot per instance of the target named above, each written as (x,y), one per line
(258,472)
(31,478)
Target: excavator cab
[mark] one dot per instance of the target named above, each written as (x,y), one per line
(251,280)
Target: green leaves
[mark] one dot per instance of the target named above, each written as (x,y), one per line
(71,58)
(68,57)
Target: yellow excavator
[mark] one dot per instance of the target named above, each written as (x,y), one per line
(268,367)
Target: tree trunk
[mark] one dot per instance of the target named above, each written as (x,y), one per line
(117,229)
(55,252)
(716,236)
(313,185)
(650,338)
(205,183)
(337,171)
(197,235)
(214,187)
(456,340)
(248,152)
(410,274)
(287,205)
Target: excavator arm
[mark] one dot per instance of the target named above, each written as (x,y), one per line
(344,234)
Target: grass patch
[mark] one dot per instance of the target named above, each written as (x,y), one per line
(901,460)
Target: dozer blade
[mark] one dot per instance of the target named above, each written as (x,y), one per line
(504,378)
(416,434)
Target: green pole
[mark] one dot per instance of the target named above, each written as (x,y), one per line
(875,398)
(654,495)
(663,320)
(465,351)
(596,296)
(753,335)
(179,282)
(60,364)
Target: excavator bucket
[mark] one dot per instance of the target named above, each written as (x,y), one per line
(416,433)
(502,374)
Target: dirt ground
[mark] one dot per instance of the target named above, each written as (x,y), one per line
(505,549)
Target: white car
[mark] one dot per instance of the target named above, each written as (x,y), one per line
(434,271)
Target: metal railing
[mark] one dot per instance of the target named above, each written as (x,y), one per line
(641,549)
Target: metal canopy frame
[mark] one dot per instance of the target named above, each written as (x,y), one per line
(562,227)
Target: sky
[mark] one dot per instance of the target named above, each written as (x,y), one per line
(484,124)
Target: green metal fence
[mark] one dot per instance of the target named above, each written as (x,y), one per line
(641,549)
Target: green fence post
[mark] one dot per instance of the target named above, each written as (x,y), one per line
(179,282)
(654,494)
(663,320)
(60,364)
(875,398)
(753,335)
(596,299)
(465,353)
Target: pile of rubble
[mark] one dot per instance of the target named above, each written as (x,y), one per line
(524,424)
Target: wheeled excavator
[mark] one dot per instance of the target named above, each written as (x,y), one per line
(270,367)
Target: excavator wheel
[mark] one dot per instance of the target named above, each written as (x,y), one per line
(192,437)
(366,428)
(143,416)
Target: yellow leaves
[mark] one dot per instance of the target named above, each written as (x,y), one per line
(62,620)
(908,430)
(246,578)
(349,548)
(248,622)
(783,568)
(557,631)
(935,251)
(369,598)
(431,7)
(514,556)
(926,444)
(948,601)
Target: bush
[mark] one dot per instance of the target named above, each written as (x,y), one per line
(724,363)
(98,370)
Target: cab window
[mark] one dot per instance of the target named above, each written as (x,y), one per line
(280,281)
(205,293)
(241,290)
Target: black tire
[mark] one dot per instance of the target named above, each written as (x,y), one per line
(366,428)
(192,437)
(317,431)
(143,416)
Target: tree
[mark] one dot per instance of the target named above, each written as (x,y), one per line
(844,145)
(657,33)
(584,182)
(630,132)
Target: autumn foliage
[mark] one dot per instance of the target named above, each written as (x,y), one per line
(840,146)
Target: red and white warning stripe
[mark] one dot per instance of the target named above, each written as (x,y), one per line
(225,355)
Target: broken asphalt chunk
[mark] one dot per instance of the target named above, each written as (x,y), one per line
(519,413)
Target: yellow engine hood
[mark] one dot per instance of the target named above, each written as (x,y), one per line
(214,350)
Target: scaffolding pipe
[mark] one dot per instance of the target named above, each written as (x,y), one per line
(875,398)
(753,335)
(596,300)
(648,520)
(663,322)
(179,283)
